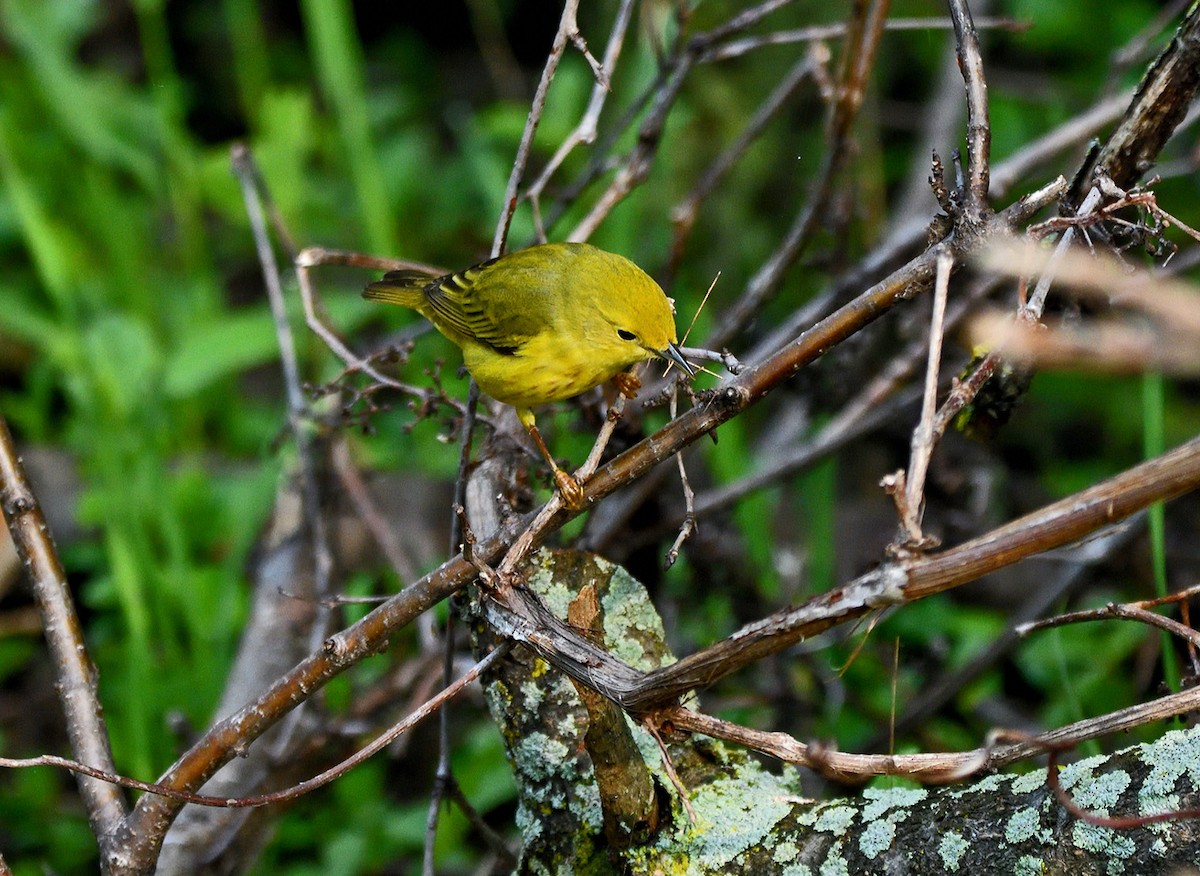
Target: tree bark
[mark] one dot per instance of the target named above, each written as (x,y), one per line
(749,819)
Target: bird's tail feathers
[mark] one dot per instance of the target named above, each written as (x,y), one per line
(403,288)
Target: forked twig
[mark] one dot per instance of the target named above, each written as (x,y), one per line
(585,132)
(567,31)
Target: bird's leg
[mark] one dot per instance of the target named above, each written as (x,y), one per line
(627,383)
(568,487)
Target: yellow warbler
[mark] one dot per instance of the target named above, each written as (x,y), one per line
(544,324)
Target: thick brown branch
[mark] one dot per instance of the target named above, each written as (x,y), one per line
(1159,105)
(904,581)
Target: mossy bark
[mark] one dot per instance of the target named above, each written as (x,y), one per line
(750,819)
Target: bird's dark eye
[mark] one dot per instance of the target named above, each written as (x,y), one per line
(626,336)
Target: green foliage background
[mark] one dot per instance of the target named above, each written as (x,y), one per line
(135,339)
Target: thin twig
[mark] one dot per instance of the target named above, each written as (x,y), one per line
(304,263)
(689,500)
(741,21)
(979,131)
(493,839)
(298,411)
(567,29)
(923,436)
(585,131)
(444,778)
(75,675)
(669,769)
(819,32)
(249,172)
(376,745)
(1037,300)
(1121,611)
(931,768)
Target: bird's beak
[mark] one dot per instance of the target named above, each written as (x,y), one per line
(672,354)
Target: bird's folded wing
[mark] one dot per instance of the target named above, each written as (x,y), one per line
(455,303)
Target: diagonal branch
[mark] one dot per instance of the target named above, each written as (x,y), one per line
(1159,105)
(77,681)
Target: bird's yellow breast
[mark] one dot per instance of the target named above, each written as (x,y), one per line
(543,370)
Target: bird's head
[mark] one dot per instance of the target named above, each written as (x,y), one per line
(638,316)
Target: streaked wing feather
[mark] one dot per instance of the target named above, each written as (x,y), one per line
(452,300)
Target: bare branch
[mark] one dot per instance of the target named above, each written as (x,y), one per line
(931,768)
(1161,102)
(567,30)
(585,131)
(979,132)
(819,32)
(298,411)
(77,683)
(923,437)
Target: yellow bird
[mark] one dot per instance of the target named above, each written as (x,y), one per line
(544,324)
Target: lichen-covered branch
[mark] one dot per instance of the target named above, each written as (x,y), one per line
(748,820)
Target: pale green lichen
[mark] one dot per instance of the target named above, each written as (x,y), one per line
(835,819)
(547,768)
(986,785)
(1158,848)
(587,806)
(1157,806)
(1029,865)
(498,697)
(1101,840)
(1029,782)
(1022,825)
(1175,755)
(1103,792)
(569,727)
(532,692)
(952,848)
(626,609)
(785,851)
(835,863)
(1081,771)
(883,799)
(557,597)
(735,816)
(539,757)
(877,838)
(885,808)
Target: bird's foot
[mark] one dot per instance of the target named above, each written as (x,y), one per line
(627,383)
(570,490)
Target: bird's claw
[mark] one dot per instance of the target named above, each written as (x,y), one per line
(570,490)
(627,384)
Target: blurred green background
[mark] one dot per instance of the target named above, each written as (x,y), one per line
(137,352)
